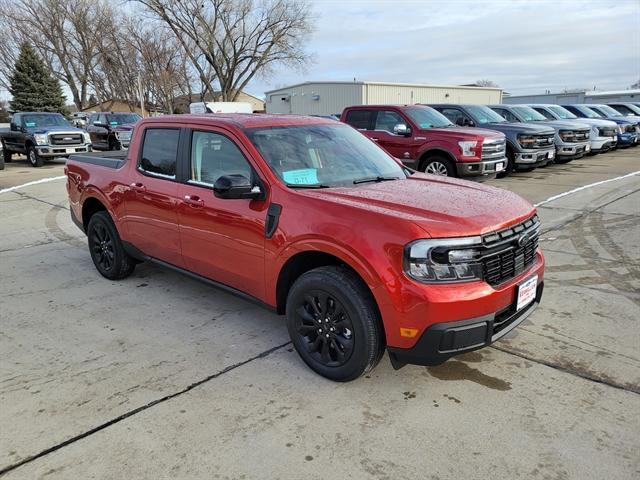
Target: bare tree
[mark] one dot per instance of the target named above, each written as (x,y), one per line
(635,85)
(229,42)
(66,34)
(487,83)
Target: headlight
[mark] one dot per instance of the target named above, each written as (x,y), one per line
(526,141)
(41,138)
(87,137)
(443,260)
(468,148)
(566,135)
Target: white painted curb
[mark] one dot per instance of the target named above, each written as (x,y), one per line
(35,182)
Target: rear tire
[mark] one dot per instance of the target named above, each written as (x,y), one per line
(439,165)
(334,323)
(6,154)
(106,248)
(114,144)
(34,159)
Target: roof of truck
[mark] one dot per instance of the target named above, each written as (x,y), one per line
(242,120)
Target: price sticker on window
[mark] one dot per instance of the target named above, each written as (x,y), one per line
(304,176)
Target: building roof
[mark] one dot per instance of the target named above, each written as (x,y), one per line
(392,84)
(586,93)
(244,120)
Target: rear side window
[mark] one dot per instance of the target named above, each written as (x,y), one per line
(360,119)
(214,155)
(160,151)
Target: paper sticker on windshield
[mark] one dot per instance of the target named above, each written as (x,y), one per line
(305,176)
(113,123)
(29,124)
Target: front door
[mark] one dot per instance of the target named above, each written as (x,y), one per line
(151,201)
(222,239)
(403,147)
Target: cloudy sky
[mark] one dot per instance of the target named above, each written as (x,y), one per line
(524,46)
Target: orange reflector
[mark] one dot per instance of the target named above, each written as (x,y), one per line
(408,332)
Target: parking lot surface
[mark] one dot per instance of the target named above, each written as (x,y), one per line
(160,376)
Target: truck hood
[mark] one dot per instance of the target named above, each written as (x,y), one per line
(512,127)
(35,130)
(125,127)
(441,206)
(598,122)
(565,124)
(465,132)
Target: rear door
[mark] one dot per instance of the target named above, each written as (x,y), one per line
(151,201)
(222,239)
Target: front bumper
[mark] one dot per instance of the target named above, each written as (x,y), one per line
(442,341)
(603,144)
(535,158)
(50,151)
(486,168)
(627,139)
(568,151)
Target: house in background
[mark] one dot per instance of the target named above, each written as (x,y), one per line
(182,103)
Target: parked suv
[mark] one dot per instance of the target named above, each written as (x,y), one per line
(311,219)
(627,131)
(41,136)
(426,140)
(571,138)
(111,130)
(603,135)
(528,146)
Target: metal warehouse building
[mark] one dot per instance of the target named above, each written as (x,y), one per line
(326,98)
(582,96)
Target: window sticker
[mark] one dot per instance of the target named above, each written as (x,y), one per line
(113,123)
(29,124)
(304,176)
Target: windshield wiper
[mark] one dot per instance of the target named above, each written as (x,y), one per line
(302,185)
(374,179)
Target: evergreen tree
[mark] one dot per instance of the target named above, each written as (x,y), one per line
(33,88)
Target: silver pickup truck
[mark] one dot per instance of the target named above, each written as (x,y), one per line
(41,136)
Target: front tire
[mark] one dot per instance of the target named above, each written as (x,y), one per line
(508,169)
(34,159)
(437,165)
(6,154)
(334,323)
(106,248)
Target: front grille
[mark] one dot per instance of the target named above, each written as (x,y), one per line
(66,139)
(607,131)
(542,141)
(494,149)
(581,135)
(509,252)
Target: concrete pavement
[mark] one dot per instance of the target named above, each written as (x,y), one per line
(159,376)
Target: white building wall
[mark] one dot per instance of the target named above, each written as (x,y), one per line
(387,93)
(314,98)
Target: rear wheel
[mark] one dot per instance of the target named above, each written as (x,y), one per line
(106,248)
(334,323)
(114,144)
(34,159)
(438,165)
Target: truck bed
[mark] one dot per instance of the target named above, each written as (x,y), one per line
(115,159)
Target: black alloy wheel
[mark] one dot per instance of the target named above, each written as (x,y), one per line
(106,249)
(325,328)
(102,247)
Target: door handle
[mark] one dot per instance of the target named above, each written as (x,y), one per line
(375,139)
(138,187)
(193,200)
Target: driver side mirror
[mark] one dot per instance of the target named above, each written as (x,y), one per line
(402,129)
(236,187)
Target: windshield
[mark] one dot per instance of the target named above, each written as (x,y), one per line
(44,120)
(427,117)
(528,114)
(122,118)
(562,112)
(323,155)
(482,115)
(610,112)
(587,112)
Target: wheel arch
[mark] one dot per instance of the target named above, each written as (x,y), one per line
(433,152)
(90,207)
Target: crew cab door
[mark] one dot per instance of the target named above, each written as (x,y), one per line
(14,139)
(403,147)
(222,239)
(151,200)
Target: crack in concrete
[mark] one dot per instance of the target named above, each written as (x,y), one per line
(137,410)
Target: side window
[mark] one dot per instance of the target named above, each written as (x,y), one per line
(160,151)
(16,120)
(214,155)
(93,118)
(453,114)
(506,114)
(360,119)
(623,109)
(387,119)
(544,113)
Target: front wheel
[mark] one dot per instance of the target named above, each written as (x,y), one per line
(334,323)
(34,159)
(6,154)
(106,248)
(508,168)
(438,165)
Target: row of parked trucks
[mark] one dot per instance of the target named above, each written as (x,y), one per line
(477,141)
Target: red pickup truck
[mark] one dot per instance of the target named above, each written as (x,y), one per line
(426,140)
(309,218)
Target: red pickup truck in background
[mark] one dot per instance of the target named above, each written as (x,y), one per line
(311,219)
(427,141)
